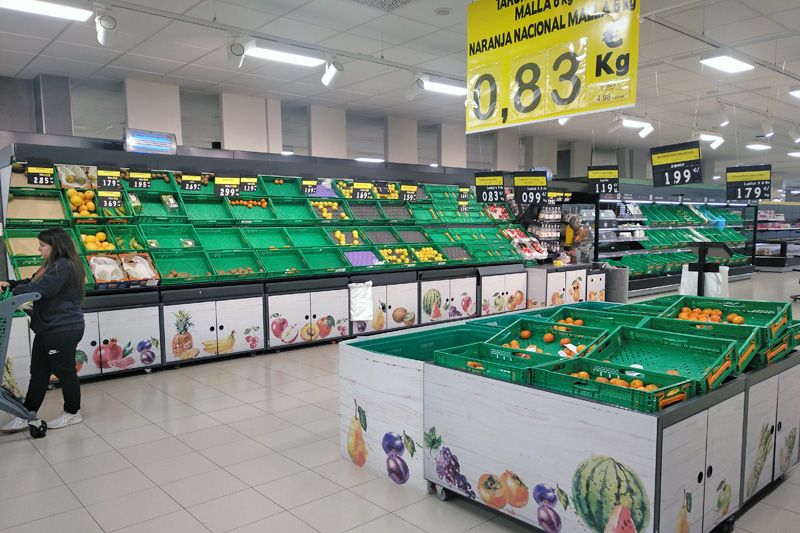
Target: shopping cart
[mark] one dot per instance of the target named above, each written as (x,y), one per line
(9,403)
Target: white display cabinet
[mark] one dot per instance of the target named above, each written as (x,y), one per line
(304,317)
(503,293)
(129,338)
(575,286)
(449,299)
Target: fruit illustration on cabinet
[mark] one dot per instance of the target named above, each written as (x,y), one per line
(683,514)
(764,446)
(600,485)
(146,350)
(431,304)
(251,336)
(112,355)
(557,298)
(182,342)
(379,317)
(80,359)
(356,447)
(401,315)
(575,290)
(498,303)
(309,332)
(395,446)
(491,491)
(788,451)
(282,330)
(221,346)
(724,493)
(325,325)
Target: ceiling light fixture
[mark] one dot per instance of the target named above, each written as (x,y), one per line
(726,62)
(644,127)
(767,128)
(268,50)
(236,52)
(717,178)
(287,151)
(369,159)
(794,192)
(722,117)
(563,120)
(332,69)
(794,134)
(795,91)
(434,165)
(50,9)
(443,87)
(794,154)
(715,140)
(106,25)
(414,89)
(759,147)
(615,125)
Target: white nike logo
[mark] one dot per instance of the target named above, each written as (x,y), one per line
(52,352)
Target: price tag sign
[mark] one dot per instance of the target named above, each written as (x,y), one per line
(677,164)
(408,193)
(463,206)
(309,187)
(39,175)
(489,187)
(248,183)
(749,183)
(558,197)
(109,180)
(191,182)
(463,194)
(530,188)
(530,61)
(604,179)
(382,187)
(140,180)
(110,199)
(362,190)
(227,187)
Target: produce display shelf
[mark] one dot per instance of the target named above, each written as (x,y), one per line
(24,242)
(411,234)
(185,266)
(380,235)
(366,211)
(236,265)
(393,193)
(395,211)
(421,346)
(560,377)
(324,190)
(204,190)
(325,260)
(208,211)
(337,210)
(706,361)
(284,262)
(456,253)
(308,237)
(221,239)
(492,361)
(93,231)
(290,188)
(503,321)
(170,237)
(21,204)
(747,338)
(292,211)
(345,189)
(153,211)
(396,252)
(352,235)
(157,183)
(424,213)
(440,236)
(365,258)
(266,238)
(128,238)
(538,334)
(640,309)
(773,353)
(419,249)
(593,318)
(253,216)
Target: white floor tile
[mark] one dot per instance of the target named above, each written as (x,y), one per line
(178,522)
(345,473)
(314,454)
(287,439)
(305,414)
(454,516)
(298,489)
(388,494)
(389,522)
(155,451)
(204,487)
(37,505)
(264,469)
(176,468)
(35,480)
(236,414)
(338,512)
(765,518)
(75,521)
(110,486)
(213,436)
(178,426)
(89,467)
(260,424)
(234,510)
(133,509)
(278,404)
(72,451)
(135,436)
(236,452)
(282,522)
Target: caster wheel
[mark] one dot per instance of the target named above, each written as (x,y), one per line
(726,526)
(442,493)
(37,432)
(148,370)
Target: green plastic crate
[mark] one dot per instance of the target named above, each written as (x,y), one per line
(456,253)
(128,238)
(266,238)
(16,216)
(252,216)
(364,251)
(416,248)
(773,353)
(366,212)
(503,321)
(794,331)
(771,317)
(410,255)
(208,210)
(595,319)
(344,187)
(225,262)
(290,188)
(11,235)
(558,377)
(441,236)
(324,190)
(192,262)
(578,335)
(157,183)
(18,263)
(642,310)
(595,306)
(395,212)
(293,211)
(706,361)
(93,230)
(382,235)
(339,212)
(222,239)
(492,361)
(421,345)
(747,338)
(308,237)
(412,235)
(424,213)
(349,238)
(174,237)
(153,211)
(325,260)
(204,190)
(283,262)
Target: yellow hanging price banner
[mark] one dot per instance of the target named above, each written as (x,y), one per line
(536,60)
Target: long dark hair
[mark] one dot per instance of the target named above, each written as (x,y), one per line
(61,246)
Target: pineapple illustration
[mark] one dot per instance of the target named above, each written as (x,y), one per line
(182,341)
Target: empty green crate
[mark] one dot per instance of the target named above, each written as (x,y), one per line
(395,211)
(366,211)
(642,310)
(579,336)
(308,237)
(704,360)
(381,235)
(492,361)
(266,238)
(421,345)
(424,213)
(18,212)
(747,338)
(283,262)
(152,210)
(128,238)
(325,260)
(595,306)
(503,321)
(290,188)
(25,267)
(174,237)
(221,239)
(773,353)
(558,377)
(364,258)
(193,264)
(456,253)
(292,211)
(157,183)
(794,331)
(226,265)
(207,211)
(16,247)
(594,318)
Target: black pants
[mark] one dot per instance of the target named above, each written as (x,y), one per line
(54,353)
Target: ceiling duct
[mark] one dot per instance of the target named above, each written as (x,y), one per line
(385,5)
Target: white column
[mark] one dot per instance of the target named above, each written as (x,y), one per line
(327,132)
(274,126)
(401,140)
(541,152)
(506,150)
(580,158)
(453,146)
(244,123)
(154,106)
(640,166)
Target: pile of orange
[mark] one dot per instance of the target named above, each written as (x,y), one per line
(700,315)
(572,321)
(635,384)
(262,203)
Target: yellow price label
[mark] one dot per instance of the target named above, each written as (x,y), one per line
(249,179)
(362,185)
(408,188)
(758,175)
(108,173)
(488,181)
(40,170)
(110,194)
(190,177)
(226,181)
(679,156)
(529,61)
(140,175)
(530,181)
(603,174)
(310,183)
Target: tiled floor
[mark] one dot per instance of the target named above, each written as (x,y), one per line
(247,445)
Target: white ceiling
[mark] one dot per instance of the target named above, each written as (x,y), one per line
(674,92)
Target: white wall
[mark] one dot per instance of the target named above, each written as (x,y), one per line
(244,123)
(453,145)
(274,126)
(401,140)
(327,132)
(507,149)
(154,106)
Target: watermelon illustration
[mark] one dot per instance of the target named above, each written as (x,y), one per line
(602,488)
(430,300)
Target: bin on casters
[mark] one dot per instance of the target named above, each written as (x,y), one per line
(8,403)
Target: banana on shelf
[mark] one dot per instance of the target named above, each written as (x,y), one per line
(225,345)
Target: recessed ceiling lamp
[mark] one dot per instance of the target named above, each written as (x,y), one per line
(767,128)
(50,9)
(106,25)
(268,50)
(726,62)
(794,134)
(794,154)
(442,87)
(717,178)
(563,120)
(369,159)
(795,91)
(235,52)
(722,117)
(287,150)
(715,140)
(794,192)
(644,127)
(759,147)
(332,70)
(434,165)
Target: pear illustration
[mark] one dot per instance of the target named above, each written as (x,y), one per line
(356,447)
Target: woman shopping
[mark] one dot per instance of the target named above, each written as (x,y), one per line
(57,322)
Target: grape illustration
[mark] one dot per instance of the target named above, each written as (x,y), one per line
(447,468)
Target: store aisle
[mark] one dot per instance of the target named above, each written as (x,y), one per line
(247,445)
